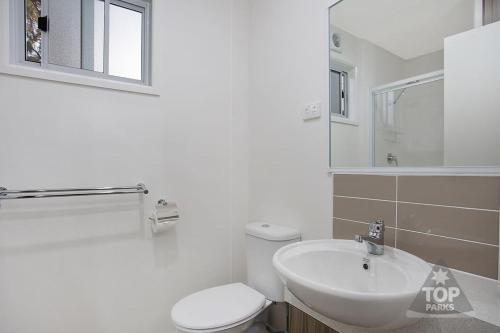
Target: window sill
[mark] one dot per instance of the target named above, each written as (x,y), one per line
(340,120)
(43,74)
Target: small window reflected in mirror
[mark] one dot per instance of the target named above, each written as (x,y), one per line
(339,83)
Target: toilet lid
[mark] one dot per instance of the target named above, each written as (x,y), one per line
(217,307)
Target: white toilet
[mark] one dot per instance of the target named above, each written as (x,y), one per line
(232,308)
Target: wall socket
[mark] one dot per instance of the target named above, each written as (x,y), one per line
(312,111)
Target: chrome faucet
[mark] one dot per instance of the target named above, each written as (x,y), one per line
(375,239)
(391,158)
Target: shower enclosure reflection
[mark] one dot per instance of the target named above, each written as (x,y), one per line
(408,126)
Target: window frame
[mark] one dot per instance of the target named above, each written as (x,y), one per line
(19,23)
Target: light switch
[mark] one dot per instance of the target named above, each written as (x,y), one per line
(312,111)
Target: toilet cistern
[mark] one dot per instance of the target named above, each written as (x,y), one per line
(375,239)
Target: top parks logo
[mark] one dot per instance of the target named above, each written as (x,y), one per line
(440,297)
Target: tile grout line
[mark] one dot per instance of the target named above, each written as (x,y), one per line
(448,237)
(449,206)
(355,221)
(418,203)
(422,233)
(361,198)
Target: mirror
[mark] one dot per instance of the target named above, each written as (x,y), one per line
(414,83)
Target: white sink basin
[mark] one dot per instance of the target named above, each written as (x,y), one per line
(329,277)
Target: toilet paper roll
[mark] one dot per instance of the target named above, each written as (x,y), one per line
(165,216)
(158,227)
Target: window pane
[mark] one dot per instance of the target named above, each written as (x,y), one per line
(335,89)
(76,36)
(343,93)
(33,34)
(125,42)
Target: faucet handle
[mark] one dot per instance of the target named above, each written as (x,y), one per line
(376,229)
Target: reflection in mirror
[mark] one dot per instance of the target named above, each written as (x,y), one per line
(409,123)
(414,86)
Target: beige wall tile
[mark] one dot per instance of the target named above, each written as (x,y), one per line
(480,224)
(466,256)
(365,210)
(469,224)
(365,186)
(475,192)
(347,230)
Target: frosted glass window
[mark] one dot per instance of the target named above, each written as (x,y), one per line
(100,38)
(76,34)
(125,42)
(65,36)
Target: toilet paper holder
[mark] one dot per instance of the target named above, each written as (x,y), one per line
(165,215)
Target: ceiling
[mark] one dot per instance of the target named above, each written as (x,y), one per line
(406,28)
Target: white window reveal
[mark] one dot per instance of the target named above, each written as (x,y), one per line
(99,38)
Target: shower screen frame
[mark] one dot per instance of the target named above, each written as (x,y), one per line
(397,85)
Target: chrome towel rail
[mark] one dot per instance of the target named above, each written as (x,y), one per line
(6,194)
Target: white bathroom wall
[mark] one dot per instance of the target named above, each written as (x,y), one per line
(90,264)
(424,64)
(471,97)
(289,157)
(240,107)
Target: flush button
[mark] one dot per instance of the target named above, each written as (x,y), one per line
(265,225)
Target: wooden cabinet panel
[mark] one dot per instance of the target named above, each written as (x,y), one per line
(300,322)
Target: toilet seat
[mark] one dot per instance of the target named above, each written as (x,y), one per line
(218,308)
